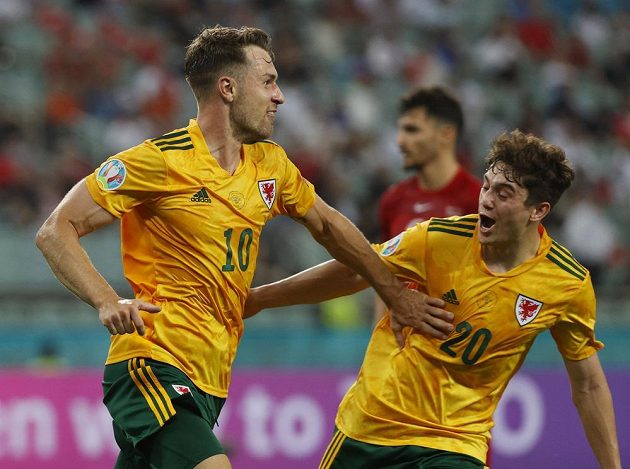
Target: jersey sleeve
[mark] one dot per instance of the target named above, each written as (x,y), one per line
(296,195)
(575,332)
(127,179)
(404,253)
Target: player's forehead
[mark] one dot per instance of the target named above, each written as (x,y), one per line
(501,174)
(260,60)
(416,116)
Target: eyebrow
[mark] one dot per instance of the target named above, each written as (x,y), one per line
(500,185)
(409,126)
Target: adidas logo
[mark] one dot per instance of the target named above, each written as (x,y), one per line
(201,196)
(450,297)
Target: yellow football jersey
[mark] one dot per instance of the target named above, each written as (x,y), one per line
(442,393)
(190,234)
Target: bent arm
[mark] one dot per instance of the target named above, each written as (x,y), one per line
(593,400)
(58,239)
(347,244)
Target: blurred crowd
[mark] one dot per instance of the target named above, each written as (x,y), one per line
(84,79)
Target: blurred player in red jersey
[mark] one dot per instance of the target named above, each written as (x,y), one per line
(430,125)
(431,122)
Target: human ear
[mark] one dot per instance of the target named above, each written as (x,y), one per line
(540,211)
(227,88)
(448,133)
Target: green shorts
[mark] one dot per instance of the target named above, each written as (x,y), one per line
(161,419)
(345,453)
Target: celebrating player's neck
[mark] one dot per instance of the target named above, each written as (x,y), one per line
(503,256)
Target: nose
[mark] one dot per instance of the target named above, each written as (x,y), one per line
(278,96)
(485,199)
(400,139)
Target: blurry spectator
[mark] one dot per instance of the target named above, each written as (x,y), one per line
(589,232)
(70,165)
(18,177)
(125,131)
(536,30)
(592,26)
(501,49)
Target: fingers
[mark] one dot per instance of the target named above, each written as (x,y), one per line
(124,317)
(148,307)
(426,316)
(440,314)
(436,328)
(437,302)
(440,318)
(433,331)
(138,322)
(115,325)
(398,332)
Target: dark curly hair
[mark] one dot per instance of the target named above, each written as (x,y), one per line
(532,163)
(219,50)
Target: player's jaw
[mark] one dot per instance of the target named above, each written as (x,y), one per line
(415,159)
(501,227)
(251,125)
(410,162)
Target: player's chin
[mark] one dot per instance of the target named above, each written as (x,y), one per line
(485,237)
(258,135)
(266,130)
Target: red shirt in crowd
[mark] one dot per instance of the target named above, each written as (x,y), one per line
(405,204)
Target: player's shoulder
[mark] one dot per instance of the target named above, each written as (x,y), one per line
(266,151)
(266,146)
(457,226)
(562,262)
(175,141)
(269,142)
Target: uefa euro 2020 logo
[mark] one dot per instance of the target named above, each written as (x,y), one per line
(111,175)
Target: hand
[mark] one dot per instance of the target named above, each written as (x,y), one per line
(422,312)
(123,317)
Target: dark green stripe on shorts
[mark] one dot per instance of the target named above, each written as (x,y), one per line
(139,392)
(344,452)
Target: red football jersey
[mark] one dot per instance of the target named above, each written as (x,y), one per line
(405,204)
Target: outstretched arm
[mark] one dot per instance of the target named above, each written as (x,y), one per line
(592,398)
(348,245)
(323,282)
(58,239)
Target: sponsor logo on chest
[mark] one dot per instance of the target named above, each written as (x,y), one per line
(201,196)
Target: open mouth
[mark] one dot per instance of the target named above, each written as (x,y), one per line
(485,222)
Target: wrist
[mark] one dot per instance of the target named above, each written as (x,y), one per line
(110,298)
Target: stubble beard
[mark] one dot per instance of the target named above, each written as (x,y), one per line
(243,126)
(418,166)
